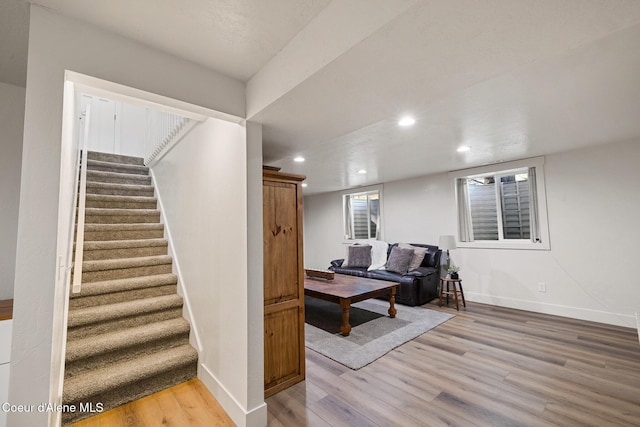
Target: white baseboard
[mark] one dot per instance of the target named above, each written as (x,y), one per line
(555,309)
(242,417)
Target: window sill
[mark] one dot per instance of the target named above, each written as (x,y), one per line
(518,245)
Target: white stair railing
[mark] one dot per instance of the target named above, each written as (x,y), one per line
(165,130)
(82,195)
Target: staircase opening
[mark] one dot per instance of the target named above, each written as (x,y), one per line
(210,165)
(125,336)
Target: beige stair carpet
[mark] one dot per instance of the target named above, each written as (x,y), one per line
(126,337)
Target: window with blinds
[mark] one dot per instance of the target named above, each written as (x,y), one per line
(499,206)
(362,215)
(502,208)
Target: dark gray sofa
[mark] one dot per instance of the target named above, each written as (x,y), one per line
(417,287)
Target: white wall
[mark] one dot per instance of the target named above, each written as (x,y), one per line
(202,183)
(132,131)
(323,230)
(255,276)
(11,124)
(56,44)
(592,200)
(5,366)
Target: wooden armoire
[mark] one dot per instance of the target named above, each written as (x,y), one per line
(284,356)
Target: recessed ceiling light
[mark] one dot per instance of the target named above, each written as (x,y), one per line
(463,149)
(298,159)
(407,121)
(304,184)
(362,171)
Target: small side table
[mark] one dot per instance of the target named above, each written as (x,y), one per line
(453,282)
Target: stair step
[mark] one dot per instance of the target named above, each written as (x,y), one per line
(98,165)
(120,202)
(91,321)
(115,189)
(122,268)
(114,249)
(121,285)
(121,290)
(121,216)
(102,232)
(130,380)
(116,264)
(117,178)
(118,346)
(122,244)
(114,158)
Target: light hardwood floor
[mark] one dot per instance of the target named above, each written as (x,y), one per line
(187,404)
(6,309)
(488,366)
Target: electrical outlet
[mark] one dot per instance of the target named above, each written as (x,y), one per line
(542,287)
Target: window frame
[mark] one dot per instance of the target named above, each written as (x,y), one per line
(361,191)
(501,169)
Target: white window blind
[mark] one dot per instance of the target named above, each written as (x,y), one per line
(500,208)
(362,215)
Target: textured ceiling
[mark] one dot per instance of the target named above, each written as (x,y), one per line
(510,79)
(233,37)
(330,79)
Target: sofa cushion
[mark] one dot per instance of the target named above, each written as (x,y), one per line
(359,256)
(418,254)
(431,258)
(399,260)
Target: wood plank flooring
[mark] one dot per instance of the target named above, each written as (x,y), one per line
(6,309)
(488,366)
(184,405)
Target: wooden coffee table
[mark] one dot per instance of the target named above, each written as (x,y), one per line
(345,289)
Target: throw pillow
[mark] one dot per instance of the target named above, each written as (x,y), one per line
(359,256)
(399,260)
(346,254)
(418,255)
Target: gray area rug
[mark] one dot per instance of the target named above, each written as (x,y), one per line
(373,332)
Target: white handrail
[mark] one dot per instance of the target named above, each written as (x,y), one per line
(165,130)
(82,194)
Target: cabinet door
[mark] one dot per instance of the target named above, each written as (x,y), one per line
(281,269)
(281,346)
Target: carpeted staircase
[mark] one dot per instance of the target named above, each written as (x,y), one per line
(126,337)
